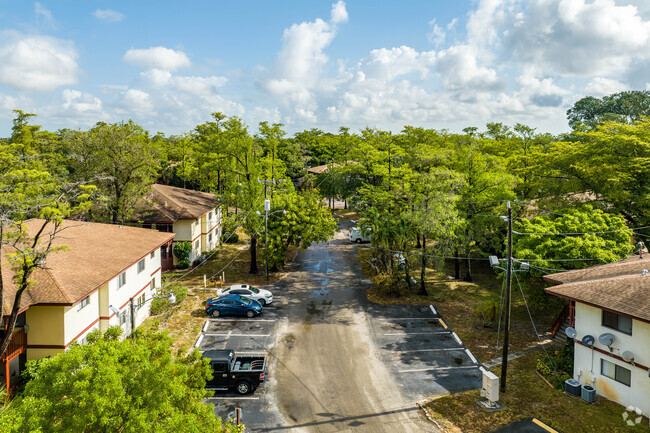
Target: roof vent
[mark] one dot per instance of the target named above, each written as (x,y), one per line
(165,202)
(644,272)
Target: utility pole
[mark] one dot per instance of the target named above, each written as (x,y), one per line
(267,208)
(504,363)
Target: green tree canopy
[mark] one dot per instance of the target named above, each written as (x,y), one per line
(109,385)
(623,107)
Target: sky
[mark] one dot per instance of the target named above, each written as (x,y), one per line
(438,64)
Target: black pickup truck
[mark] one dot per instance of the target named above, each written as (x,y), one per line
(229,371)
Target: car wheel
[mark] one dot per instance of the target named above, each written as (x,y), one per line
(262,302)
(358,240)
(250,313)
(216,313)
(243,387)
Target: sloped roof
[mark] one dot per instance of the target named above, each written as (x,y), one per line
(619,286)
(169,203)
(94,254)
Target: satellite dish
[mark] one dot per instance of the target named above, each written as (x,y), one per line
(606,339)
(570,332)
(588,340)
(628,356)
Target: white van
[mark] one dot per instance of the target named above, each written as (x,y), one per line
(356,235)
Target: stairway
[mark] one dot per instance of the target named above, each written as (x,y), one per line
(560,337)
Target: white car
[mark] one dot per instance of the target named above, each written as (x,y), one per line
(264,297)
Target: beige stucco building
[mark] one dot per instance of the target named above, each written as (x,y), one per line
(611,299)
(194,216)
(105,276)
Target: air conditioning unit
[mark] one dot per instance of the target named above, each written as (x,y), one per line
(588,393)
(490,388)
(572,387)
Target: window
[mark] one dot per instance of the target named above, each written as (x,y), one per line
(163,252)
(85,301)
(153,283)
(219,367)
(616,372)
(140,301)
(618,322)
(196,245)
(152,255)
(146,225)
(164,227)
(140,266)
(123,318)
(210,237)
(121,280)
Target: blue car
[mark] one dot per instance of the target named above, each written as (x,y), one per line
(234,305)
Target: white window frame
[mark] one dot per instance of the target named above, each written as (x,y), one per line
(121,280)
(141,266)
(153,254)
(84,302)
(616,370)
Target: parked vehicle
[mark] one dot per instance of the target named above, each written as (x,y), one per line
(229,371)
(233,305)
(262,296)
(358,235)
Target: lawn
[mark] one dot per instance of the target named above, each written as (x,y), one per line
(528,395)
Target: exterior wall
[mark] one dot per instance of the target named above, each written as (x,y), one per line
(211,225)
(587,362)
(78,323)
(46,328)
(189,231)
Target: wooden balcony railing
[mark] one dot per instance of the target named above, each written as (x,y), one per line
(17,345)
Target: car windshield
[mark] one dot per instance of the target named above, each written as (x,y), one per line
(254,290)
(246,300)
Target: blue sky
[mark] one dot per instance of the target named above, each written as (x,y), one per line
(317,64)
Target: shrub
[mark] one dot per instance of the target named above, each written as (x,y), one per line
(160,305)
(230,238)
(183,264)
(182,250)
(199,260)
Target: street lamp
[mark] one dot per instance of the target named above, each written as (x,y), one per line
(170,297)
(267,208)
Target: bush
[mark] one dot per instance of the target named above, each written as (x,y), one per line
(160,305)
(199,260)
(230,238)
(182,250)
(183,264)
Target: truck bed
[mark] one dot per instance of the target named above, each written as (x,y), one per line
(249,363)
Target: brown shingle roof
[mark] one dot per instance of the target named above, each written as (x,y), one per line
(618,287)
(169,203)
(94,254)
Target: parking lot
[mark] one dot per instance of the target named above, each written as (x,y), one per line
(245,336)
(425,356)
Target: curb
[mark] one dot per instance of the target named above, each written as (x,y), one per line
(429,417)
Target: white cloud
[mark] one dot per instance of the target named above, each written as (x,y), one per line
(387,64)
(601,86)
(158,57)
(38,63)
(108,15)
(437,34)
(138,102)
(541,92)
(75,100)
(42,11)
(459,69)
(339,13)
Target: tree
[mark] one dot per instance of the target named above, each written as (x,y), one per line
(120,158)
(623,107)
(586,236)
(134,385)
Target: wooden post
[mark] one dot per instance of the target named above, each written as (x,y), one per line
(238,415)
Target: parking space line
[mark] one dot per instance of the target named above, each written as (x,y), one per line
(453,334)
(415,370)
(447,349)
(205,326)
(471,356)
(233,398)
(433,310)
(244,320)
(442,322)
(236,335)
(407,318)
(199,340)
(417,333)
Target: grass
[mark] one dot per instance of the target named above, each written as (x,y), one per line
(527,396)
(185,320)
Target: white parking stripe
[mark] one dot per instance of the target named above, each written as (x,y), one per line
(205,326)
(433,310)
(407,318)
(448,349)
(245,320)
(415,370)
(471,356)
(417,333)
(453,334)
(233,398)
(198,341)
(228,335)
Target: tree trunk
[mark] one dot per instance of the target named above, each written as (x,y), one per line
(456,265)
(253,250)
(468,275)
(345,204)
(423,289)
(417,240)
